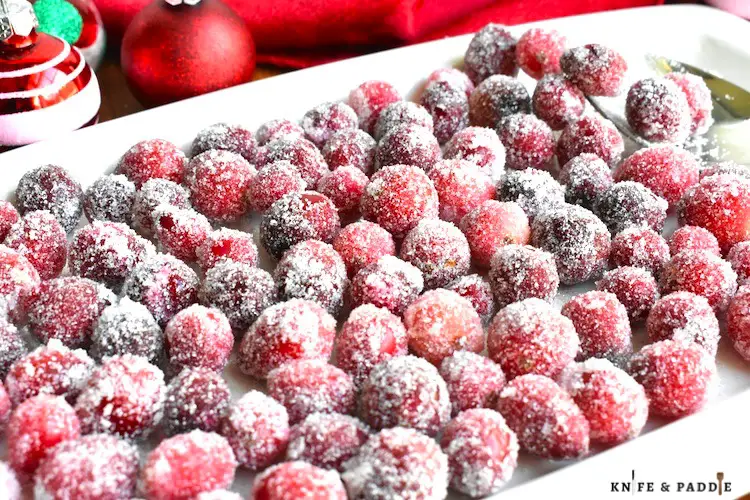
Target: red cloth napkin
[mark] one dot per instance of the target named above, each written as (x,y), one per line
(300,33)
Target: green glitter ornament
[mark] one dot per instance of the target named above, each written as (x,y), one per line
(59,18)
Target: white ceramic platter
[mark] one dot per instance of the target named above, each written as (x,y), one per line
(694,448)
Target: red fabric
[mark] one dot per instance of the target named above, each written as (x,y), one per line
(299,33)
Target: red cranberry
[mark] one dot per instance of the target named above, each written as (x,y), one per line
(325,119)
(678,377)
(185,465)
(614,404)
(19,282)
(639,247)
(448,108)
(153,159)
(271,183)
(579,241)
(519,272)
(461,187)
(595,69)
(278,129)
(369,99)
(701,273)
(491,225)
(528,141)
(473,380)
(478,291)
(326,440)
(9,483)
(531,337)
(292,480)
(408,144)
(557,101)
(227,244)
(42,240)
(51,188)
(369,336)
(438,249)
(218,181)
(602,324)
(658,111)
(110,198)
(308,386)
(495,98)
(544,417)
(585,177)
(698,98)
(480,146)
(257,428)
(491,51)
(297,217)
(685,317)
(389,282)
(590,134)
(739,258)
(8,216)
(538,52)
(127,328)
(454,77)
(534,190)
(344,186)
(634,287)
(180,231)
(226,137)
(12,347)
(631,204)
(694,238)
(738,322)
(355,148)
(152,194)
(301,153)
(196,398)
(401,113)
(198,337)
(363,243)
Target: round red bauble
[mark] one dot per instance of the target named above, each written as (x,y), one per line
(175,52)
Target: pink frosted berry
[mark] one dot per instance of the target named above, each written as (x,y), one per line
(478,291)
(590,134)
(9,483)
(538,52)
(344,186)
(448,107)
(308,386)
(482,452)
(153,159)
(405,391)
(701,273)
(152,194)
(519,272)
(369,336)
(438,249)
(127,328)
(480,146)
(585,177)
(369,99)
(51,188)
(495,98)
(227,244)
(491,51)
(8,216)
(355,148)
(602,324)
(634,287)
(528,141)
(301,153)
(401,113)
(658,111)
(639,247)
(698,98)
(491,225)
(226,137)
(694,238)
(739,258)
(595,69)
(614,404)
(738,322)
(296,329)
(326,440)
(186,465)
(678,377)
(685,317)
(12,346)
(278,129)
(198,337)
(531,337)
(292,480)
(180,231)
(42,240)
(389,282)
(454,77)
(473,380)
(461,187)
(197,398)
(257,428)
(218,182)
(363,243)
(408,144)
(534,190)
(19,281)
(627,203)
(544,417)
(271,183)
(325,119)
(557,101)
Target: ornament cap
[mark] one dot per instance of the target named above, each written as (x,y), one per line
(16,18)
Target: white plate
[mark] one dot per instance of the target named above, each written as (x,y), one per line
(693,449)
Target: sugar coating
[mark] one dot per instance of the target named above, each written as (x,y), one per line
(198,337)
(405,391)
(351,147)
(739,258)
(326,440)
(482,452)
(556,100)
(271,183)
(344,186)
(579,241)
(439,249)
(152,159)
(362,243)
(534,190)
(699,100)
(461,187)
(738,322)
(8,216)
(531,337)
(447,104)
(124,397)
(477,290)
(401,113)
(153,193)
(218,182)
(197,398)
(492,225)
(658,111)
(19,281)
(42,240)
(226,137)
(694,238)
(369,99)
(257,428)
(408,144)
(292,480)
(528,141)
(389,282)
(227,244)
(678,377)
(295,329)
(590,134)
(702,273)
(240,291)
(369,336)
(519,272)
(684,317)
(473,380)
(634,287)
(491,51)
(602,325)
(538,52)
(314,271)
(453,77)
(495,98)
(280,128)
(585,177)
(629,203)
(12,346)
(397,463)
(481,146)
(126,327)
(180,231)
(614,404)
(327,118)
(9,483)
(92,466)
(51,188)
(308,386)
(111,198)
(595,69)
(724,167)
(640,247)
(301,153)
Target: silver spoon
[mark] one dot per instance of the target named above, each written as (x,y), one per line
(729,136)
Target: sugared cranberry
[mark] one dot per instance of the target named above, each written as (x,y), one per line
(271,183)
(478,291)
(42,240)
(9,483)
(595,69)
(528,141)
(614,404)
(227,244)
(218,181)
(369,99)
(198,337)
(739,258)
(557,101)
(534,190)
(538,52)
(677,376)
(544,417)
(296,329)
(226,137)
(278,129)
(585,177)
(590,134)
(355,148)
(480,146)
(238,290)
(408,144)
(698,98)
(12,346)
(602,324)
(19,281)
(6,405)
(658,111)
(389,282)
(491,225)
(639,247)
(8,216)
(685,317)
(738,322)
(461,187)
(454,77)
(725,167)
(579,241)
(110,198)
(51,188)
(325,119)
(531,337)
(492,51)
(308,386)
(302,154)
(519,272)
(164,285)
(495,98)
(297,217)
(196,398)
(473,380)
(363,243)
(701,273)
(401,113)
(694,238)
(326,440)
(180,231)
(152,194)
(153,159)
(369,336)
(631,204)
(438,249)
(344,186)
(448,107)
(634,287)
(292,480)
(127,328)
(257,428)
(186,465)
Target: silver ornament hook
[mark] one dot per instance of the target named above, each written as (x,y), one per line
(16,18)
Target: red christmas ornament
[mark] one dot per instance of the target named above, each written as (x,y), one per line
(174,50)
